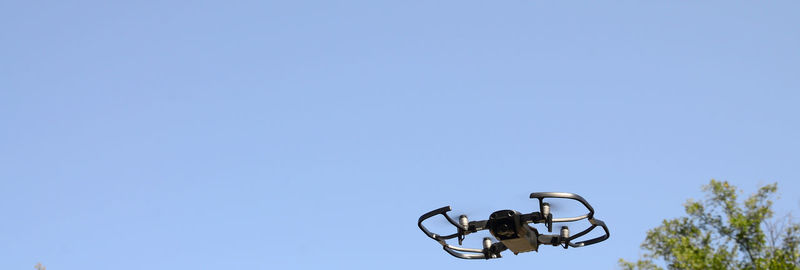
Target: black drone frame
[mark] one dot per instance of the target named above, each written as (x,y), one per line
(512,230)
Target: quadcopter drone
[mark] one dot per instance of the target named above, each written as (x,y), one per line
(512,230)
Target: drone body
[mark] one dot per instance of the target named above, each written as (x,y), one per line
(506,226)
(512,231)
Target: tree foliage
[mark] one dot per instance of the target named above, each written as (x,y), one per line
(723,233)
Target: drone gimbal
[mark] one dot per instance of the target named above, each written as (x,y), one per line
(512,230)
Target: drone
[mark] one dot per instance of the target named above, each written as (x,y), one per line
(512,230)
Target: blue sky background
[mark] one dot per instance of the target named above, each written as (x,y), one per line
(304,135)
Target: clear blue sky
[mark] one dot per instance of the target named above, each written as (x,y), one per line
(308,135)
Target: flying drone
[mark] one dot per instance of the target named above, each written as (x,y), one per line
(512,230)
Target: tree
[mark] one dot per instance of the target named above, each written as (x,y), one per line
(721,233)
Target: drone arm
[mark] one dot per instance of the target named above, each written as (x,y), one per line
(534,217)
(475,226)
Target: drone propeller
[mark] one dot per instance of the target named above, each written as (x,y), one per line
(556,205)
(441,225)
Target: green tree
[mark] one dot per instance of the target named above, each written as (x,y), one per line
(722,233)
